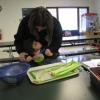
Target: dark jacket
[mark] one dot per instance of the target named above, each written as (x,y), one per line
(23,37)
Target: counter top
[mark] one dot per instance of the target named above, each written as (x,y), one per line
(74,88)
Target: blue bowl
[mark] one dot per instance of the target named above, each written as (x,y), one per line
(13,73)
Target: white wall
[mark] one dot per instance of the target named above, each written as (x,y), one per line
(97,7)
(12,12)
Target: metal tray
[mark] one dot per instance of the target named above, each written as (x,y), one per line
(43,74)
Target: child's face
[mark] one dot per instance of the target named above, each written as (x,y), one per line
(40,28)
(36,45)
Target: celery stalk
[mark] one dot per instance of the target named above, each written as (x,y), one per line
(62,67)
(56,67)
(65,69)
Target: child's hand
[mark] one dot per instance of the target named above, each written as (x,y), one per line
(36,45)
(48,52)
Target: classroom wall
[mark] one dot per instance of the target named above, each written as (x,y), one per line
(11,13)
(97,7)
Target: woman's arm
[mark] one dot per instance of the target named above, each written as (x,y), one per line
(56,38)
(21,35)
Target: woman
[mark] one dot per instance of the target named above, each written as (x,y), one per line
(42,27)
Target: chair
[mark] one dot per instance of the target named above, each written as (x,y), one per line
(75,32)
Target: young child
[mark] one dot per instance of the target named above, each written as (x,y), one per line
(37,55)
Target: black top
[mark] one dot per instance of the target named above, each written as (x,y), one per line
(23,37)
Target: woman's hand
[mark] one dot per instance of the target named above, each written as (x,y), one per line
(48,52)
(22,56)
(29,58)
(25,57)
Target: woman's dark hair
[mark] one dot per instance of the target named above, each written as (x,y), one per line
(40,16)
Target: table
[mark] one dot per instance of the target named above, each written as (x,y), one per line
(73,88)
(72,39)
(64,39)
(76,88)
(75,39)
(6,44)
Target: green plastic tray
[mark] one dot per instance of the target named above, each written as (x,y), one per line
(43,74)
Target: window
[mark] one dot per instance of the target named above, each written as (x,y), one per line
(53,12)
(26,11)
(69,17)
(81,12)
